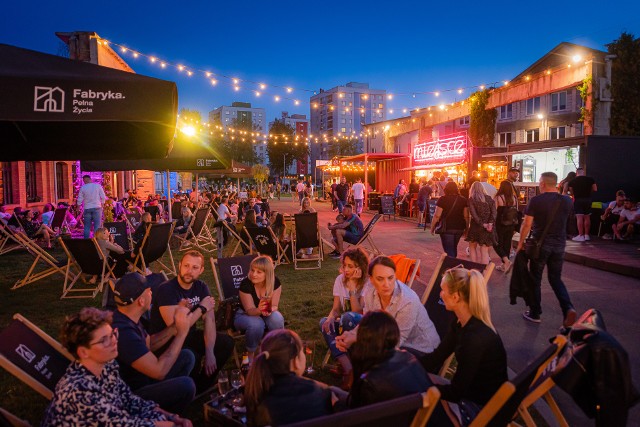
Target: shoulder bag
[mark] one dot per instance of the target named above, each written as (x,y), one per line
(532,245)
(441,226)
(226,313)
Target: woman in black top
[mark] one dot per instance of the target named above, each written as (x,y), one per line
(275,391)
(381,371)
(506,222)
(481,233)
(259,298)
(480,354)
(451,208)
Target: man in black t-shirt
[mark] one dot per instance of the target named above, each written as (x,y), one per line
(341,193)
(334,201)
(540,210)
(186,290)
(165,378)
(581,187)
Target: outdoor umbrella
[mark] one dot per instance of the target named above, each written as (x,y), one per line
(54,108)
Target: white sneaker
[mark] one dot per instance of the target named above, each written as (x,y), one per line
(586,238)
(579,238)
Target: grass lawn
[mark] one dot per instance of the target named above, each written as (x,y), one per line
(306,298)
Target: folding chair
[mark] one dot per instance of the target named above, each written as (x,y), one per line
(198,234)
(59,220)
(541,387)
(240,242)
(7,419)
(414,410)
(32,356)
(176,210)
(153,246)
(406,268)
(366,235)
(431,300)
(307,235)
(265,243)
(40,255)
(8,242)
(503,405)
(228,273)
(85,258)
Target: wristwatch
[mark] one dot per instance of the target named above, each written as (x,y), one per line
(202,308)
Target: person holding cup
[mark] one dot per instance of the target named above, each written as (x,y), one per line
(347,299)
(259,298)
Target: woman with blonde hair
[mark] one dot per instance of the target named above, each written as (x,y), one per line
(275,391)
(481,235)
(259,298)
(305,207)
(479,352)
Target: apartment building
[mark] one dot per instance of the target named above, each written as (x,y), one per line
(242,114)
(300,125)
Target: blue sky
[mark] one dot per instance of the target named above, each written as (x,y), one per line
(403,47)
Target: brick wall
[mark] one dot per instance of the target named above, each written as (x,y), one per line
(45,183)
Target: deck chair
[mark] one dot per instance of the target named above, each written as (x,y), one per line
(40,255)
(307,235)
(154,211)
(265,243)
(366,235)
(198,234)
(32,356)
(84,258)
(7,419)
(59,220)
(240,242)
(8,242)
(176,210)
(228,273)
(153,246)
(541,388)
(413,410)
(503,405)
(431,300)
(406,268)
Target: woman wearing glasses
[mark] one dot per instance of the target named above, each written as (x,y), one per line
(481,357)
(91,391)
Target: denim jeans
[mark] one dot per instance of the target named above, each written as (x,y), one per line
(176,391)
(89,216)
(553,259)
(255,326)
(348,321)
(450,243)
(358,205)
(341,204)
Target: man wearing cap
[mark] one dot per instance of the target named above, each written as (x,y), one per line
(163,379)
(187,290)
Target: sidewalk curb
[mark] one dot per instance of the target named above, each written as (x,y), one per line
(625,270)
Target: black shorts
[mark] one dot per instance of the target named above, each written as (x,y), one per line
(582,207)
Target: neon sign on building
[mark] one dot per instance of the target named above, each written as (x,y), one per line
(450,150)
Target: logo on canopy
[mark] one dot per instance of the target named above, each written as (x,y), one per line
(48,99)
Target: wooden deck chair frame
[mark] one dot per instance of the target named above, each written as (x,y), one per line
(303,228)
(198,233)
(423,403)
(542,389)
(75,272)
(40,255)
(21,374)
(509,396)
(239,240)
(216,276)
(486,272)
(366,236)
(140,264)
(8,242)
(280,255)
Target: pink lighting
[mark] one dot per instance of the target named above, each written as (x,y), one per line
(451,149)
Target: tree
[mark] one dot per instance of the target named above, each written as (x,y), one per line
(237,144)
(260,173)
(192,117)
(344,146)
(625,85)
(282,146)
(482,128)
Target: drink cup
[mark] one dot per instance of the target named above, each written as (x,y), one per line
(267,309)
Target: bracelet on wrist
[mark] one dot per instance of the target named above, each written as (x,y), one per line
(202,308)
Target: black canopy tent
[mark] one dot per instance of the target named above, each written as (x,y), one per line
(53,108)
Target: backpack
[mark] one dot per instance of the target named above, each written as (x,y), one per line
(509,216)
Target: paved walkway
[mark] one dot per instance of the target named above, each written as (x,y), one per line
(615,295)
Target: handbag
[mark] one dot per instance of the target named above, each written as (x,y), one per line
(441,226)
(226,313)
(531,244)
